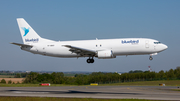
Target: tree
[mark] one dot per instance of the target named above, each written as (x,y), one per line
(31,78)
(24,74)
(9,82)
(136,71)
(177,72)
(161,74)
(131,71)
(17,75)
(3,81)
(57,78)
(170,74)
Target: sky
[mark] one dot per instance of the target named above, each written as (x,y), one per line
(66,20)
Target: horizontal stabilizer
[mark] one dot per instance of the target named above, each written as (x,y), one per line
(21,44)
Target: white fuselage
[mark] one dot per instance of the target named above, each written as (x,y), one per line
(126,46)
(102,49)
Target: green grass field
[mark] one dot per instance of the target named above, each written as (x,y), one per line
(6,76)
(175,89)
(140,83)
(30,85)
(63,99)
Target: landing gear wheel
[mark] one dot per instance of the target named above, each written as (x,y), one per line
(150,58)
(90,60)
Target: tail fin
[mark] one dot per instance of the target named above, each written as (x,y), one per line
(27,33)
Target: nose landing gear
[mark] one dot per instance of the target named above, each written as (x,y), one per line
(90,60)
(150,58)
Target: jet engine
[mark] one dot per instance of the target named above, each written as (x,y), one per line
(107,54)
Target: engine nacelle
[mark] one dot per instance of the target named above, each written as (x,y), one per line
(105,54)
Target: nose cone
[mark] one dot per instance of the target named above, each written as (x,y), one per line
(161,47)
(164,47)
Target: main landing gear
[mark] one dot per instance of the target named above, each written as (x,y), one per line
(90,60)
(150,58)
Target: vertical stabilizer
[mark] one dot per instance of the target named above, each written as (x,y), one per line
(27,33)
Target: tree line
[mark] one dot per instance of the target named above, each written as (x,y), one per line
(100,77)
(16,75)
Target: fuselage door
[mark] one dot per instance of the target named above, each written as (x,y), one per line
(44,50)
(98,45)
(154,46)
(147,44)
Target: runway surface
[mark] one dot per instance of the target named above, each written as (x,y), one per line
(110,92)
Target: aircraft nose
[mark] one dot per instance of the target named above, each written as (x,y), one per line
(165,47)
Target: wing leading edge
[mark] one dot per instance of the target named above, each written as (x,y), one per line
(22,45)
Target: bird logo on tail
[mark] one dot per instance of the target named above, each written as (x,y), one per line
(26,31)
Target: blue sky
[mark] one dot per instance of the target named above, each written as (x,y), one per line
(81,20)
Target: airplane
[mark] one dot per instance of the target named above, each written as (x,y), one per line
(101,49)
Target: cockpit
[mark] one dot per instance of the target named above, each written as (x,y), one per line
(157,42)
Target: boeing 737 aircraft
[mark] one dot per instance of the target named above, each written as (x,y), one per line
(101,49)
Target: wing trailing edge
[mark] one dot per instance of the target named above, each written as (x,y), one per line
(81,51)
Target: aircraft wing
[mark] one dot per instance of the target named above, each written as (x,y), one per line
(22,44)
(81,51)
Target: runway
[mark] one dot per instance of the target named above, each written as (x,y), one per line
(104,92)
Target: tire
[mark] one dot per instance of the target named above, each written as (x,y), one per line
(150,58)
(92,60)
(88,61)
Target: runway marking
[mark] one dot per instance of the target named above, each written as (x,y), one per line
(70,89)
(30,92)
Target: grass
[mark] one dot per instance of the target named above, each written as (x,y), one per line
(30,85)
(6,76)
(63,99)
(175,89)
(140,83)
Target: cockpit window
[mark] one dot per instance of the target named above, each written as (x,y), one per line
(157,42)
